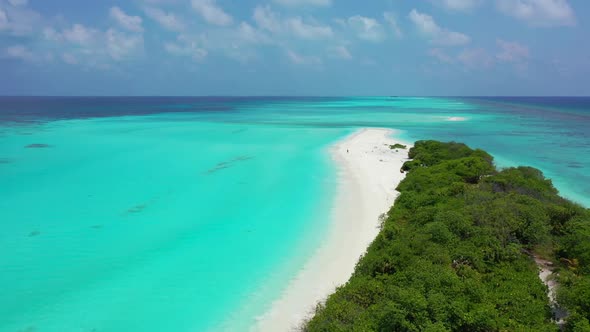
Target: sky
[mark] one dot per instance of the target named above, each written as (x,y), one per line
(295,47)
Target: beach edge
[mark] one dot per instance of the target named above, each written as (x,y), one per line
(368,171)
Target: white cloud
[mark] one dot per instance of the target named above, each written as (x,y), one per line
(294,3)
(391,19)
(18,20)
(24,53)
(17,3)
(167,20)
(121,45)
(249,34)
(339,21)
(458,5)
(438,35)
(340,52)
(479,58)
(512,51)
(424,22)
(161,2)
(69,58)
(299,59)
(51,34)
(270,21)
(539,12)
(238,43)
(475,58)
(185,46)
(240,53)
(266,19)
(3,20)
(367,28)
(308,31)
(94,48)
(451,38)
(131,23)
(211,12)
(440,55)
(79,34)
(19,52)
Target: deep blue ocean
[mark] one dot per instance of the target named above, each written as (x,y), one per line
(192,214)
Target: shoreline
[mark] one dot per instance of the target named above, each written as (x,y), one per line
(368,173)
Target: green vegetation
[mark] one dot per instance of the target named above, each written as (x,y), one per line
(453,253)
(397,146)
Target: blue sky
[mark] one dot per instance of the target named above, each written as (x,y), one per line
(294,47)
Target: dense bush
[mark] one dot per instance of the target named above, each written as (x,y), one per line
(397,146)
(454,252)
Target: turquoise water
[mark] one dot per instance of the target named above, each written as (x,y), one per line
(192,214)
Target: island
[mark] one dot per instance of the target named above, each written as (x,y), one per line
(468,247)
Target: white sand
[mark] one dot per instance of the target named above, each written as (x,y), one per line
(368,175)
(456,118)
(545,272)
(546,275)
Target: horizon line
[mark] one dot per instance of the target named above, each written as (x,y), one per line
(293,96)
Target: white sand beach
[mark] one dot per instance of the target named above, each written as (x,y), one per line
(369,172)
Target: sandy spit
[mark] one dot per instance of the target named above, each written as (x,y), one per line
(368,173)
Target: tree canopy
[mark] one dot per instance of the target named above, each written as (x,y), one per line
(454,252)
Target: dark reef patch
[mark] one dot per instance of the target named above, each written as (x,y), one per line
(37,146)
(237,131)
(137,209)
(28,329)
(5,161)
(34,233)
(574,164)
(227,164)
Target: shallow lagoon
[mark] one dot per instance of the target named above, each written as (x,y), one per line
(192,214)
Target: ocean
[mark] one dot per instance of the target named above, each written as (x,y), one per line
(192,214)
